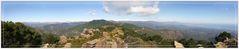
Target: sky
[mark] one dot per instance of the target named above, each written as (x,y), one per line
(215,12)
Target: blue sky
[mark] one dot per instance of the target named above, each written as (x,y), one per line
(214,12)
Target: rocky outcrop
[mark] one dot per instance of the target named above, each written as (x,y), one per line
(63,39)
(178,45)
(45,45)
(87,33)
(67,45)
(220,45)
(108,40)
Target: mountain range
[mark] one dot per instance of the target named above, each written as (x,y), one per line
(170,30)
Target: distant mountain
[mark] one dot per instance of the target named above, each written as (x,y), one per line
(91,24)
(196,31)
(58,28)
(166,29)
(37,24)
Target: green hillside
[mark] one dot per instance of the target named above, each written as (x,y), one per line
(141,37)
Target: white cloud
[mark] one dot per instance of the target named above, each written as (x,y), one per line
(144,10)
(141,8)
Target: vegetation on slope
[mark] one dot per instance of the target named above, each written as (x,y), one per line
(19,35)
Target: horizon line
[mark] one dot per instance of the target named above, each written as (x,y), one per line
(113,20)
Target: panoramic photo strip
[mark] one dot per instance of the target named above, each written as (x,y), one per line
(119,24)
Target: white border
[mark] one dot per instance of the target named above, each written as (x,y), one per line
(119,0)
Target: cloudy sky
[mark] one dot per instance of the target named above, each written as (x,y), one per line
(222,12)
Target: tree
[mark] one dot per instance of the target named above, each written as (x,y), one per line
(19,35)
(191,43)
(227,38)
(222,36)
(50,38)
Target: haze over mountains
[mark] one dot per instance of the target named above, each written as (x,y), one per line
(167,29)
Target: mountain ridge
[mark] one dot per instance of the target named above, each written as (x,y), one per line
(186,30)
